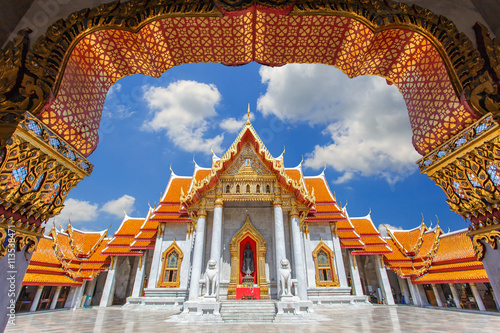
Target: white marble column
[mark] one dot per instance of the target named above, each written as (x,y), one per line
(139,275)
(156,263)
(78,296)
(279,236)
(36,300)
(414,293)
(384,280)
(215,249)
(355,278)
(339,260)
(477,296)
(403,286)
(53,304)
(456,297)
(298,255)
(423,296)
(109,286)
(436,295)
(199,241)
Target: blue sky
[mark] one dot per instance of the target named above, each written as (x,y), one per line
(358,128)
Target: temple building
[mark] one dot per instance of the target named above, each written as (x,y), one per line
(248,228)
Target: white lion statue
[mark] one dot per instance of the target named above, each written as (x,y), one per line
(285,277)
(211,283)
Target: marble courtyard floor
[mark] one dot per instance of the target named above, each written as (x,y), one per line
(375,319)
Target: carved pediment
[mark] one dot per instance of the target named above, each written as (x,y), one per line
(248,163)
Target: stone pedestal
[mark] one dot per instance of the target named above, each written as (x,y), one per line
(207,305)
(293,305)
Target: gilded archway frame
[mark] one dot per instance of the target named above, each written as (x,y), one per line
(248,230)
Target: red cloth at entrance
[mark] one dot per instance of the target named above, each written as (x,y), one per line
(250,293)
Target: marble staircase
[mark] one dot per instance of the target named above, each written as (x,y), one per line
(242,311)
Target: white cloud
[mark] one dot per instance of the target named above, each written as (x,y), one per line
(382,228)
(113,90)
(77,211)
(232,125)
(182,110)
(119,206)
(366,119)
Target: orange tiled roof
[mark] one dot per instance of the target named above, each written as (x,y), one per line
(31,279)
(44,268)
(454,246)
(295,174)
(143,245)
(129,227)
(457,266)
(44,252)
(173,192)
(475,275)
(321,190)
(199,175)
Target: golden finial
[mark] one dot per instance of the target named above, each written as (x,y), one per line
(302,159)
(248,114)
(334,196)
(171,168)
(437,223)
(283,150)
(324,168)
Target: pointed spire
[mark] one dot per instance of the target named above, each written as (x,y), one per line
(248,115)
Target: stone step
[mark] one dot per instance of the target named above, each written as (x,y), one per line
(243,311)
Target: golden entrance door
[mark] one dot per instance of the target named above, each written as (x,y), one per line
(248,235)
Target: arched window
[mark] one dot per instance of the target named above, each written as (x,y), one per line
(228,189)
(171,258)
(268,189)
(325,271)
(248,188)
(257,188)
(237,188)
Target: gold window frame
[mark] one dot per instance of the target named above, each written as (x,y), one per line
(334,282)
(164,258)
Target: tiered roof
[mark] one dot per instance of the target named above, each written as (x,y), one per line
(430,256)
(121,243)
(455,261)
(67,258)
(370,237)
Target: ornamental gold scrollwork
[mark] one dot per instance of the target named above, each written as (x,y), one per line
(490,237)
(37,176)
(467,168)
(16,235)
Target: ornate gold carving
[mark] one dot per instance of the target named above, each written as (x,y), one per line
(15,235)
(467,168)
(63,260)
(20,88)
(38,171)
(483,93)
(248,230)
(333,229)
(490,237)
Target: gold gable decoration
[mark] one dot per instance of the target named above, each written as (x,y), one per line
(258,156)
